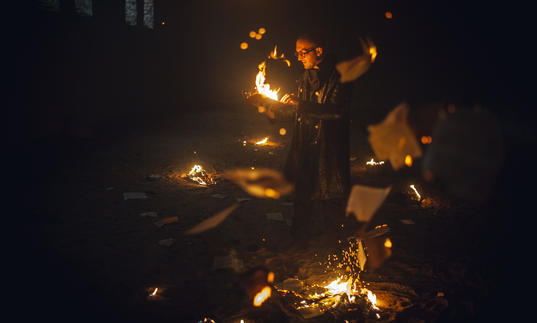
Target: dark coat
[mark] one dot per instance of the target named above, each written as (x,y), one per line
(318,160)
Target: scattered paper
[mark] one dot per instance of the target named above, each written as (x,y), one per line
(218,196)
(393,139)
(276,216)
(150,214)
(169,220)
(407,221)
(362,257)
(364,201)
(212,221)
(262,183)
(134,195)
(166,242)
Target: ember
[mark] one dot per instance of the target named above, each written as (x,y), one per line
(372,162)
(262,296)
(262,142)
(260,85)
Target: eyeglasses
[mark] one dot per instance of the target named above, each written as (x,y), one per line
(303,52)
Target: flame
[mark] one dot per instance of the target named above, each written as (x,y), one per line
(372,162)
(262,142)
(154,292)
(388,15)
(408,160)
(274,54)
(373,53)
(198,175)
(388,243)
(261,87)
(416,191)
(262,296)
(372,298)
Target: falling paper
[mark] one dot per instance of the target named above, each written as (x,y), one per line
(169,220)
(134,195)
(212,221)
(353,68)
(150,214)
(393,139)
(263,183)
(276,216)
(364,201)
(362,258)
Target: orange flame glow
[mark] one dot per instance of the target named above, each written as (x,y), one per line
(408,160)
(373,53)
(372,162)
(388,243)
(252,34)
(415,191)
(283,131)
(244,45)
(262,296)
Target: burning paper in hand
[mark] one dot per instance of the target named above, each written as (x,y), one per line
(394,140)
(262,183)
(364,201)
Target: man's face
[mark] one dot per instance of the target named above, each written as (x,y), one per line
(308,53)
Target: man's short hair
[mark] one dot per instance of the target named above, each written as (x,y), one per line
(316,38)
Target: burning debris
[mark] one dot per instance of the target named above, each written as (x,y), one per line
(199,176)
(413,188)
(372,162)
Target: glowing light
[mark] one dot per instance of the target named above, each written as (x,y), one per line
(163,23)
(262,142)
(262,296)
(415,191)
(388,15)
(372,298)
(244,45)
(258,36)
(373,53)
(260,85)
(408,160)
(262,31)
(154,292)
(388,243)
(269,192)
(372,162)
(252,34)
(270,277)
(200,176)
(426,140)
(283,131)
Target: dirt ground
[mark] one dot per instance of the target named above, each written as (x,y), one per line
(93,256)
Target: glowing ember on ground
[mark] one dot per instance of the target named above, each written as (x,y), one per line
(199,175)
(262,296)
(388,243)
(262,142)
(154,292)
(416,191)
(372,162)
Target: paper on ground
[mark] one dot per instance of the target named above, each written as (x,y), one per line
(150,214)
(213,221)
(276,216)
(134,195)
(364,201)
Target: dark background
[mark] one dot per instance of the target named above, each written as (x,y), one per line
(75,80)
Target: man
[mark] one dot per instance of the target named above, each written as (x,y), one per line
(318,159)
